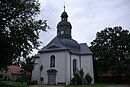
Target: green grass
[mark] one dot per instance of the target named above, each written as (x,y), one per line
(11,85)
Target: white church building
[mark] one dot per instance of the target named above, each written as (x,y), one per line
(59,59)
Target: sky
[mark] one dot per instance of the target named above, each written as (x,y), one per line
(87,17)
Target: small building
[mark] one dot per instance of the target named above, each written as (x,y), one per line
(12,73)
(62,57)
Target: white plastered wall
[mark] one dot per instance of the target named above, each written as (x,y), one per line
(73,56)
(36,70)
(87,65)
(61,65)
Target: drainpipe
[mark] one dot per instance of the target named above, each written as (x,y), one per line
(70,67)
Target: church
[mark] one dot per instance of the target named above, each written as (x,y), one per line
(62,57)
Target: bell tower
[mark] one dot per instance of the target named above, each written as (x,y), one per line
(64,27)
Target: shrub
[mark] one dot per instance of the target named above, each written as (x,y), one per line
(77,80)
(88,78)
(18,80)
(23,78)
(34,82)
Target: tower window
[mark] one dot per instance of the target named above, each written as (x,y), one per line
(74,65)
(52,61)
(62,32)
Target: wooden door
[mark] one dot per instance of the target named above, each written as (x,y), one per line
(52,79)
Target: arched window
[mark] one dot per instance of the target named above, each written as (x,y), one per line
(74,65)
(52,61)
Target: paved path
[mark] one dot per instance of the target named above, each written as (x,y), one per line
(119,86)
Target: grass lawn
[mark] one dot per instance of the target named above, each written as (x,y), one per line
(11,85)
(94,85)
(18,84)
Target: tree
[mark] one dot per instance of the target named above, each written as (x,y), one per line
(109,48)
(28,64)
(19,29)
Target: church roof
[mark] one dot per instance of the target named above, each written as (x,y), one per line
(58,44)
(63,40)
(84,49)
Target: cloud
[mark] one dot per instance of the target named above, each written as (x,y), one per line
(86,16)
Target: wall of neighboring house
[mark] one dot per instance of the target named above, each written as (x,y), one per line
(14,77)
(6,75)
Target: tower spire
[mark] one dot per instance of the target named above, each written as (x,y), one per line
(64,27)
(64,6)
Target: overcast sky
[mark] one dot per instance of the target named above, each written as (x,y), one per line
(87,17)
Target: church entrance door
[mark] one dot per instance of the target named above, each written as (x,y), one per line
(51,79)
(51,76)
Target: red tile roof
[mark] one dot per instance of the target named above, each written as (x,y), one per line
(15,69)
(105,74)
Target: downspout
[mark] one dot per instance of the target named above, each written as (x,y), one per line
(70,67)
(80,61)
